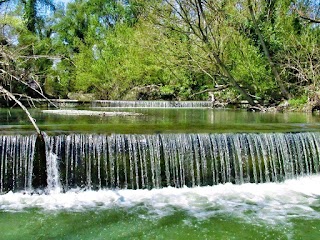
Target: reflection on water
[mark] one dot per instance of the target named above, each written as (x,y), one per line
(163,121)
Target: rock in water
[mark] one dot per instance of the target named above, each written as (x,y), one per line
(39,175)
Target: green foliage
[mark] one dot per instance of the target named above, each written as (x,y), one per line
(297,102)
(114,48)
(250,67)
(28,52)
(122,61)
(33,15)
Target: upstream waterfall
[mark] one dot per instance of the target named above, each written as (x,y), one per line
(123,161)
(152,104)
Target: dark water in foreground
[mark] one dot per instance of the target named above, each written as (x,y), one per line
(283,210)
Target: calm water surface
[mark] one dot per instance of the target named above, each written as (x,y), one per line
(164,121)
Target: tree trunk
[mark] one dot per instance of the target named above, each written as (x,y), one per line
(224,68)
(233,81)
(275,72)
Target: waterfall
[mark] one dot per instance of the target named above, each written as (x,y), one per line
(16,156)
(52,171)
(127,104)
(151,104)
(124,161)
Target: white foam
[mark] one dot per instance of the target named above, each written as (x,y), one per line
(272,202)
(53,173)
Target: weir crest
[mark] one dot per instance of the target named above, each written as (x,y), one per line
(124,161)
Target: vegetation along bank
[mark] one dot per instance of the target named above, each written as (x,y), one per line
(265,53)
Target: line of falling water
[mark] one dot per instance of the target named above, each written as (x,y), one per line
(53,177)
(151,104)
(153,161)
(123,161)
(16,156)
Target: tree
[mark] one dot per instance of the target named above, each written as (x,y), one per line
(32,13)
(266,51)
(99,39)
(203,23)
(9,74)
(13,60)
(248,48)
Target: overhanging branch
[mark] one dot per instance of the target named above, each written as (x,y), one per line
(24,83)
(12,97)
(307,18)
(216,89)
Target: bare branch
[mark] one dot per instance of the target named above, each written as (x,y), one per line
(12,97)
(305,17)
(42,56)
(24,83)
(217,88)
(201,68)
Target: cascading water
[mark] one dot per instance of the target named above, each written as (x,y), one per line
(16,156)
(154,161)
(52,173)
(128,104)
(133,186)
(151,104)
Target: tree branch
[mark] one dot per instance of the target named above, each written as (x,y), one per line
(12,97)
(305,17)
(275,72)
(218,88)
(24,83)
(42,56)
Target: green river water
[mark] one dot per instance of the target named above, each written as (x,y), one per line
(162,120)
(285,210)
